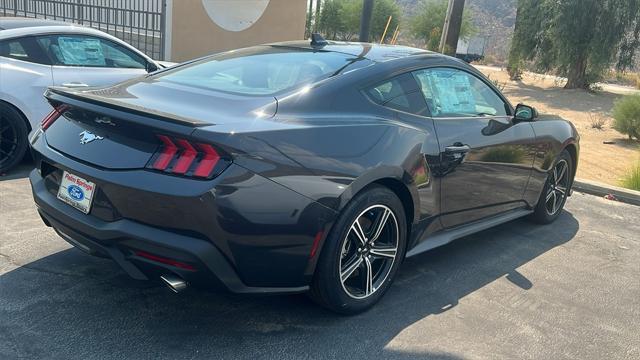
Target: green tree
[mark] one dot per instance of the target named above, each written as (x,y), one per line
(579,39)
(427,24)
(382,9)
(331,23)
(340,19)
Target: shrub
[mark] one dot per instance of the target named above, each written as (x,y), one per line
(632,180)
(515,66)
(626,115)
(597,121)
(515,72)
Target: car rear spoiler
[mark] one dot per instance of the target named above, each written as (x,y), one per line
(88,100)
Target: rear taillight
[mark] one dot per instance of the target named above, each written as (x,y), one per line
(53,116)
(183,157)
(208,161)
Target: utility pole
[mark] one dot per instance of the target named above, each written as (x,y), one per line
(451,29)
(365,21)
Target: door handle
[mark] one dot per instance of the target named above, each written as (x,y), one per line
(457,148)
(75,85)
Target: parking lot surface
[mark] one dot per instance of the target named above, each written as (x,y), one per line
(570,290)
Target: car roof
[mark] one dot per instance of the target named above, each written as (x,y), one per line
(8,23)
(374,52)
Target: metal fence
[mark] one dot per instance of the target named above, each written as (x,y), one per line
(141,23)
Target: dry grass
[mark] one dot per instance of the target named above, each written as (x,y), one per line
(500,85)
(597,121)
(632,180)
(623,78)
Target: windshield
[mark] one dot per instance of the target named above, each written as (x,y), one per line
(262,70)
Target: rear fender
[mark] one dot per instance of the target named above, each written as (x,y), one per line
(329,161)
(378,175)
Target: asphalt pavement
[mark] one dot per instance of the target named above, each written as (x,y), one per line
(570,290)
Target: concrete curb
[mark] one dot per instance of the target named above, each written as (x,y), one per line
(599,189)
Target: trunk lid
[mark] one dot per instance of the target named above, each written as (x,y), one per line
(117,127)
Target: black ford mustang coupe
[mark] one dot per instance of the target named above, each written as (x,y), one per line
(294,167)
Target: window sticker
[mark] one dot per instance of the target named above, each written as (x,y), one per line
(454,95)
(81,51)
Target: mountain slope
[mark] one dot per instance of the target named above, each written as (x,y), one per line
(494,20)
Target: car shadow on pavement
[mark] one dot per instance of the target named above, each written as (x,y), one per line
(71,305)
(22,170)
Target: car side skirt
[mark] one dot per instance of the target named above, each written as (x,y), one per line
(446,236)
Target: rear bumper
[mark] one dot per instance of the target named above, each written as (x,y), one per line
(121,239)
(240,230)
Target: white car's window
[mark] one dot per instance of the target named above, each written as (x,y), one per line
(455,93)
(15,50)
(25,49)
(88,51)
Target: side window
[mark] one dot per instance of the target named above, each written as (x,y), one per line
(24,49)
(455,93)
(117,55)
(14,49)
(87,51)
(398,93)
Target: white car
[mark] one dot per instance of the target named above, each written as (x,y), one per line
(36,54)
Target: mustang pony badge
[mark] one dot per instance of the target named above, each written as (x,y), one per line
(87,137)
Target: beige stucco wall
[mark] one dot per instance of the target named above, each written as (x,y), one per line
(194,33)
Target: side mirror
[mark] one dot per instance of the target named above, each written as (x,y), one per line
(151,67)
(525,113)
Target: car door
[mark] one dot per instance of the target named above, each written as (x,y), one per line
(84,60)
(25,74)
(485,157)
(403,95)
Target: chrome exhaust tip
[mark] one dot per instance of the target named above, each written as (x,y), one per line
(174,283)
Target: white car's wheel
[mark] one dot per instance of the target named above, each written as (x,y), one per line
(13,137)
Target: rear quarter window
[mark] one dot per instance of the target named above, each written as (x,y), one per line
(25,49)
(399,93)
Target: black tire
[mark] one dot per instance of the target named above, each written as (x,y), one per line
(13,137)
(343,245)
(559,182)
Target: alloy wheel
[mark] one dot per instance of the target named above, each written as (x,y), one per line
(8,141)
(369,251)
(558,187)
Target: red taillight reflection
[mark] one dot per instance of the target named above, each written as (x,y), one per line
(316,242)
(182,157)
(53,116)
(164,260)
